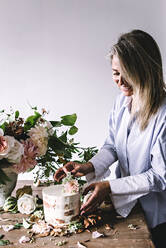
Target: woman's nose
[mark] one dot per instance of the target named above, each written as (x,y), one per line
(119,80)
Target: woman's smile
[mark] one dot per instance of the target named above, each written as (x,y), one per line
(123,85)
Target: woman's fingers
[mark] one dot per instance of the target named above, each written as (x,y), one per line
(89,208)
(68,167)
(59,174)
(89,187)
(92,201)
(100,191)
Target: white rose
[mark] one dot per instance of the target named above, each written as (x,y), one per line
(26,204)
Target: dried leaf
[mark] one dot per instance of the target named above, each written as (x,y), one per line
(42,234)
(86,223)
(108,227)
(79,230)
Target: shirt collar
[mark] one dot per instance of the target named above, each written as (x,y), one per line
(127,101)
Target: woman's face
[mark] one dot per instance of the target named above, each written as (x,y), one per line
(118,79)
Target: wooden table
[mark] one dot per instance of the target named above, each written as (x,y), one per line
(120,236)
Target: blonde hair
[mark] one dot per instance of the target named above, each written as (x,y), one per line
(141,64)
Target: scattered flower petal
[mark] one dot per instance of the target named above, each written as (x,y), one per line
(26,225)
(41,227)
(7,228)
(79,245)
(96,235)
(24,239)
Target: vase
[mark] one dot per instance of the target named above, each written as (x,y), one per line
(6,189)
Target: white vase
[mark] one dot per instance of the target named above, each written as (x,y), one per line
(6,189)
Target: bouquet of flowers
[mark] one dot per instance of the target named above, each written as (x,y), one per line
(25,143)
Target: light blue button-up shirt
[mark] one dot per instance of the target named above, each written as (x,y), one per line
(141,157)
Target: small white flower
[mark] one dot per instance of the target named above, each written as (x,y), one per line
(24,239)
(26,204)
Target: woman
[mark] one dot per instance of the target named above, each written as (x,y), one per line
(137,136)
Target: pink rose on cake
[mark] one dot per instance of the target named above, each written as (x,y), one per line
(70,184)
(71,187)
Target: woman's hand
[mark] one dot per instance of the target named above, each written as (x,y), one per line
(76,169)
(100,191)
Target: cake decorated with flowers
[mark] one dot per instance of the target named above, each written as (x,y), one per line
(62,202)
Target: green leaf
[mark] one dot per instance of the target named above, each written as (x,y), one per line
(34,108)
(73,130)
(31,121)
(18,225)
(4,242)
(17,114)
(56,144)
(69,120)
(3,126)
(63,137)
(56,123)
(3,177)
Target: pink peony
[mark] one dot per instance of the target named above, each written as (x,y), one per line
(39,136)
(28,159)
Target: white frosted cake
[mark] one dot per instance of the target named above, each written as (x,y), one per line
(60,207)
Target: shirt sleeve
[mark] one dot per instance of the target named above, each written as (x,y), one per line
(128,189)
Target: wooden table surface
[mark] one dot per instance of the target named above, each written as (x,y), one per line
(120,236)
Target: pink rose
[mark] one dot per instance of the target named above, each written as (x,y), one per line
(3,145)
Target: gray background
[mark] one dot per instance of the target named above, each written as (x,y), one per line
(53,55)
